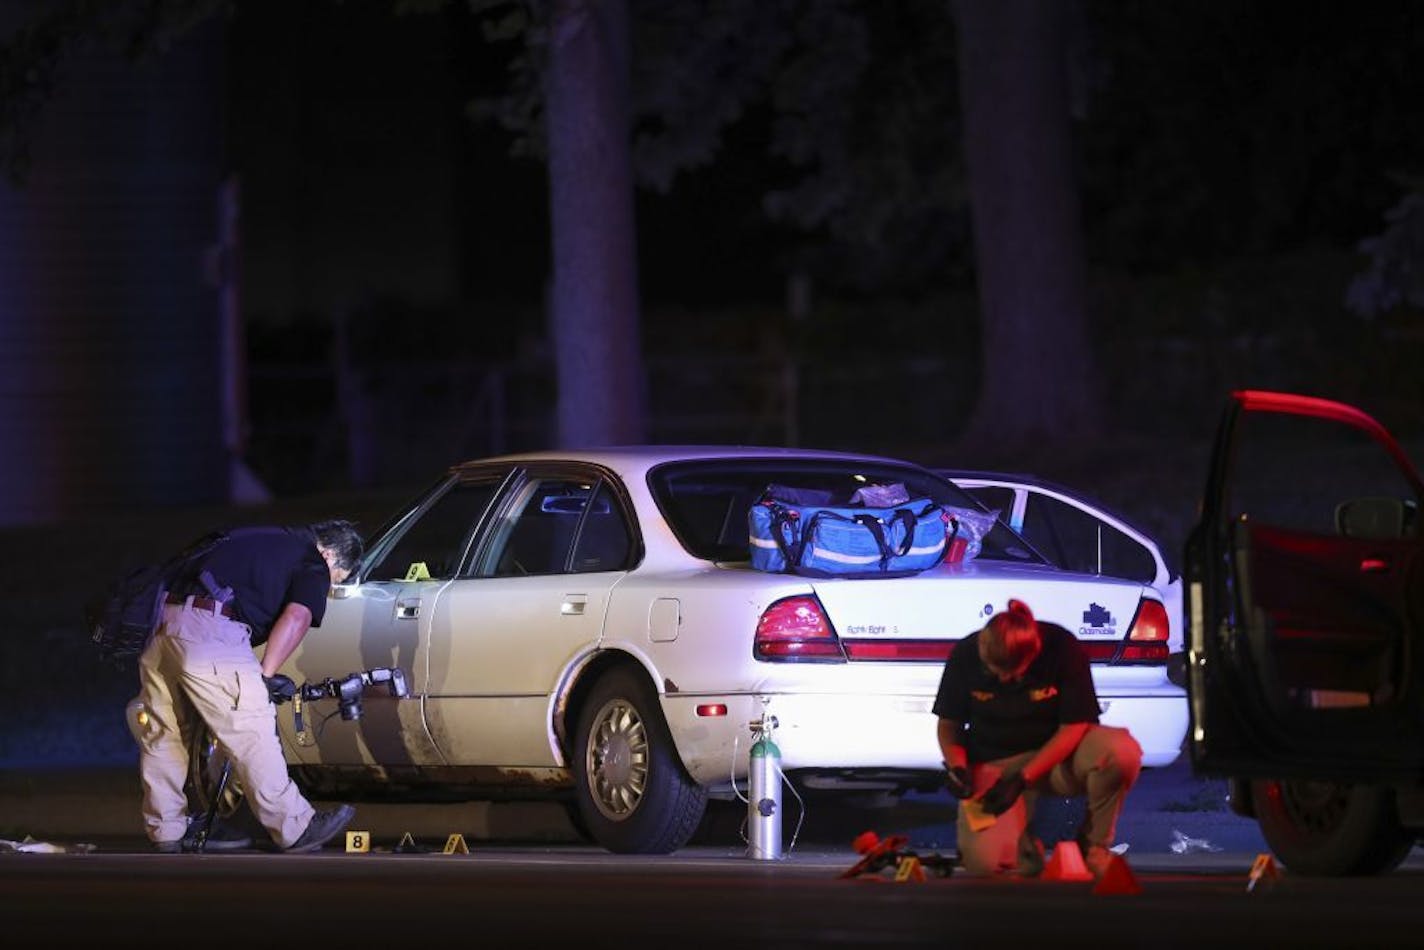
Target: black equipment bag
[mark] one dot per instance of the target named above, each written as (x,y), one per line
(122,618)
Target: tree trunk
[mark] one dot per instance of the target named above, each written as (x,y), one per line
(1037,374)
(594,303)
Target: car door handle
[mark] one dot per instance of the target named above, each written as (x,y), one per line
(407,611)
(1374,565)
(573,606)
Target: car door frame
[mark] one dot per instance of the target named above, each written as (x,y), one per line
(1240,724)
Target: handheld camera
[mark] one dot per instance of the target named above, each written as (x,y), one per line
(347,690)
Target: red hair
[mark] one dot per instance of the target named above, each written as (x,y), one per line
(1010,640)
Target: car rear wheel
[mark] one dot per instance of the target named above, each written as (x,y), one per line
(633,794)
(1325,828)
(205,765)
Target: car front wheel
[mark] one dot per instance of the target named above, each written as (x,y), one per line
(1325,828)
(633,794)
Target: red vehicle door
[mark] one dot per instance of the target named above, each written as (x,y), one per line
(1305,598)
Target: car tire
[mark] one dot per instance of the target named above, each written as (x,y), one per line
(1329,829)
(205,765)
(631,789)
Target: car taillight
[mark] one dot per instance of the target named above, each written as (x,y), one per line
(1147,637)
(913,651)
(796,628)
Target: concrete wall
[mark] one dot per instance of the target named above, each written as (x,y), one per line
(109,335)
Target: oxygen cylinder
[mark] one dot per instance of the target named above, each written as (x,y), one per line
(764,794)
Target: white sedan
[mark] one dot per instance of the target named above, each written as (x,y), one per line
(587,623)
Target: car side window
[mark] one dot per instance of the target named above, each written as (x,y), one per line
(604,543)
(1078,541)
(539,536)
(437,538)
(1317,476)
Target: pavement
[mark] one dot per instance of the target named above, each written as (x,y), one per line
(1171,814)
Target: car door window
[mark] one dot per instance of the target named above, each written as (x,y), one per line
(604,543)
(433,545)
(538,535)
(1316,477)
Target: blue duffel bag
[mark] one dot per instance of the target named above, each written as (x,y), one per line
(798,531)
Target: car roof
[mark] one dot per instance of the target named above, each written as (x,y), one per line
(634,458)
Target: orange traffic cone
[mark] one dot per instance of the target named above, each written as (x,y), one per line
(1117,879)
(1066,864)
(865,842)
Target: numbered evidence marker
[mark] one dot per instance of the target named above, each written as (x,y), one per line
(455,844)
(909,869)
(358,842)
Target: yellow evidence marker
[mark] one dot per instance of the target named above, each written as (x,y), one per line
(358,842)
(455,844)
(909,869)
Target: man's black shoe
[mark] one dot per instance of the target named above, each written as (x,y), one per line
(221,838)
(324,826)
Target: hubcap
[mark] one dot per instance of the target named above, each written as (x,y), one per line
(207,771)
(617,759)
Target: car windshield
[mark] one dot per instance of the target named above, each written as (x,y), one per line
(706,501)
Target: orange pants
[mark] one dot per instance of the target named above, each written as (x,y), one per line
(199,669)
(1102,768)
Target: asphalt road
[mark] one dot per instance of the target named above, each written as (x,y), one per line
(525,882)
(573,896)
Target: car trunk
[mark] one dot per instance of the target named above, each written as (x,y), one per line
(950,603)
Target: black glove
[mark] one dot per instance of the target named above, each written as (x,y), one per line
(959,782)
(280,689)
(1003,794)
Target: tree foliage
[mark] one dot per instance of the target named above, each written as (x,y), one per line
(1394,275)
(862,147)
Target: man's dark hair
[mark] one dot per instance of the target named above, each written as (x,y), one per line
(341,538)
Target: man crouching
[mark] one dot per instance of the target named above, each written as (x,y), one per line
(1018,716)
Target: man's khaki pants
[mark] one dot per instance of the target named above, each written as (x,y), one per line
(199,668)
(1103,768)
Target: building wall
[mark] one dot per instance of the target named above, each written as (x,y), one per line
(109,334)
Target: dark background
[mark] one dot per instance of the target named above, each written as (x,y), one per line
(391,269)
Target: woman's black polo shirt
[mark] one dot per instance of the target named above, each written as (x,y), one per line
(1004,719)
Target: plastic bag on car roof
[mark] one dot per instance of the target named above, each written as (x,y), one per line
(880,496)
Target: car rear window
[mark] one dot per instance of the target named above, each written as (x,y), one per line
(706,502)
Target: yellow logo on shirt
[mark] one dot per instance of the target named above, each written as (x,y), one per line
(1041,695)
(981,695)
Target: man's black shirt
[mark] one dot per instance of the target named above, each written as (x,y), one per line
(1004,719)
(268,568)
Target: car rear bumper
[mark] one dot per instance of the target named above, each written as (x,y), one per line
(845,731)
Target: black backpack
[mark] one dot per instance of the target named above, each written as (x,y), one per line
(124,616)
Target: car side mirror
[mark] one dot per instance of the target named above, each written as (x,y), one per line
(1370,518)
